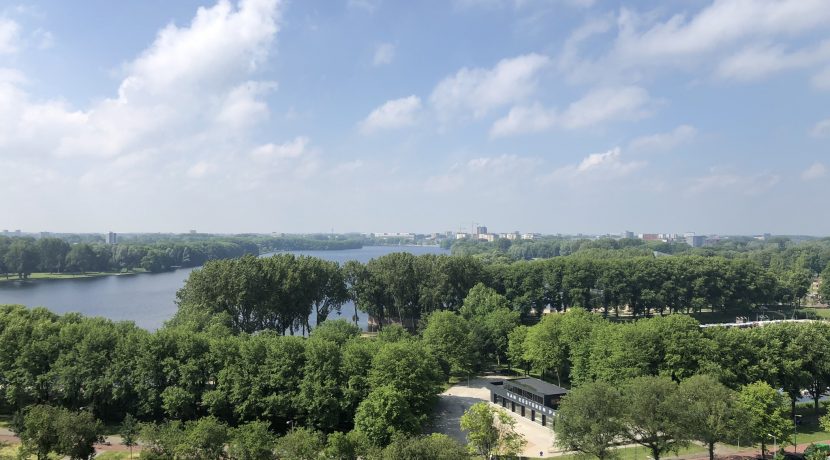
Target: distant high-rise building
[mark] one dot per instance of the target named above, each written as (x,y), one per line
(695,241)
(627,235)
(112,238)
(481,230)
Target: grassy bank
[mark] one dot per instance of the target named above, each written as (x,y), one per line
(67,276)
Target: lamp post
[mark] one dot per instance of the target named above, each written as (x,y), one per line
(774,445)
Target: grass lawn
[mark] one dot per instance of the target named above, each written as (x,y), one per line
(64,276)
(638,453)
(823,313)
(116,455)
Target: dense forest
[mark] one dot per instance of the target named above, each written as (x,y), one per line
(22,256)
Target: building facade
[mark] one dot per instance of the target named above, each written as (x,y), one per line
(528,397)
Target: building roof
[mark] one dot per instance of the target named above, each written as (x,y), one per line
(538,386)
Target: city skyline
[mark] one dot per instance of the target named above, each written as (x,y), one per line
(560,116)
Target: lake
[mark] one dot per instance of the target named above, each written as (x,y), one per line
(149,299)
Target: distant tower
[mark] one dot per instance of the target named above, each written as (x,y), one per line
(112,238)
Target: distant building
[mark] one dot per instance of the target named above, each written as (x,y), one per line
(398,235)
(511,236)
(488,237)
(529,397)
(461,235)
(112,238)
(695,241)
(627,235)
(193,232)
(481,230)
(529,236)
(649,237)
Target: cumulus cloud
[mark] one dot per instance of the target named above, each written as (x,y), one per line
(292,149)
(191,86)
(524,119)
(477,91)
(598,106)
(9,36)
(645,40)
(664,141)
(721,180)
(604,104)
(384,54)
(815,171)
(603,166)
(394,114)
(821,129)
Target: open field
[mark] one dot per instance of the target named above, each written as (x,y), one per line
(64,276)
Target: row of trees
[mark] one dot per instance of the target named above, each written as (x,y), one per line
(662,415)
(282,292)
(333,381)
(24,256)
(580,347)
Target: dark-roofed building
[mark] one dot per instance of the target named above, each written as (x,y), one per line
(532,398)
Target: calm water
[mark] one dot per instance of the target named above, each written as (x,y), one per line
(149,299)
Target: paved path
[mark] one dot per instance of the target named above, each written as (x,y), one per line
(459,398)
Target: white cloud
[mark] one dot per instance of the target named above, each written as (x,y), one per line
(384,54)
(759,61)
(600,166)
(480,90)
(821,80)
(9,36)
(518,4)
(292,149)
(821,129)
(644,41)
(201,169)
(815,171)
(524,119)
(725,181)
(664,141)
(394,114)
(190,89)
(607,104)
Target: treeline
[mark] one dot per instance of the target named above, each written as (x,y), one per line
(332,381)
(24,256)
(282,292)
(780,253)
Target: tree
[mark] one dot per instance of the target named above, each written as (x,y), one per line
(300,444)
(129,432)
(431,447)
(408,367)
(516,350)
(77,434)
(709,411)
(590,420)
(204,439)
(251,441)
(544,347)
(764,408)
(448,336)
(650,414)
(491,431)
(22,257)
(384,413)
(39,435)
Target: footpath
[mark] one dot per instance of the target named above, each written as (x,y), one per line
(111,443)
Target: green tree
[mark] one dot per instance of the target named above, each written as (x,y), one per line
(449,337)
(77,434)
(203,439)
(22,257)
(590,420)
(129,431)
(651,414)
(39,435)
(544,348)
(709,412)
(251,441)
(408,367)
(764,414)
(491,431)
(516,350)
(384,413)
(431,447)
(300,444)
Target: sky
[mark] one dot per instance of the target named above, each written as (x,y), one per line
(551,116)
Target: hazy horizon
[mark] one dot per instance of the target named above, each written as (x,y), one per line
(554,116)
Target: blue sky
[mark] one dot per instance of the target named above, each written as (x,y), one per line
(554,116)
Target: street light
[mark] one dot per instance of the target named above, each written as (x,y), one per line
(774,445)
